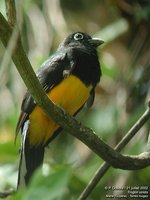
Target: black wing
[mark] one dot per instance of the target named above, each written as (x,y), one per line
(31,157)
(52,71)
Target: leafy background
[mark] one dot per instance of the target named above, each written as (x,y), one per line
(121,95)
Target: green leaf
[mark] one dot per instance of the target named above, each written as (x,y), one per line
(51,187)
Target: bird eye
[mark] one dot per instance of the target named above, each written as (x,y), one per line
(78,36)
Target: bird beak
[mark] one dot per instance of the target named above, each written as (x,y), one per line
(96,42)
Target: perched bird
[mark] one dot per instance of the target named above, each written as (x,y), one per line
(69,78)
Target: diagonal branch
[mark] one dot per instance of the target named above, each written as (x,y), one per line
(105,166)
(67,122)
(11,12)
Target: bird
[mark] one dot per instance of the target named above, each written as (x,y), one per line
(69,78)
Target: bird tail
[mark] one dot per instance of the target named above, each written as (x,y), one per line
(30,159)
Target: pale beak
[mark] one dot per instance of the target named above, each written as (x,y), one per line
(96,42)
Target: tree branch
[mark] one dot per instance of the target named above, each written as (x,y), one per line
(11,12)
(67,122)
(105,166)
(7,193)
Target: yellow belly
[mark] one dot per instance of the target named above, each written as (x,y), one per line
(70,94)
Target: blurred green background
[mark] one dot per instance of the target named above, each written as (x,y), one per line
(120,99)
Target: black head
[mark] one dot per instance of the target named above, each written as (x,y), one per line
(81,40)
(81,57)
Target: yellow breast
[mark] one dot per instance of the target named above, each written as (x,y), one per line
(70,94)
